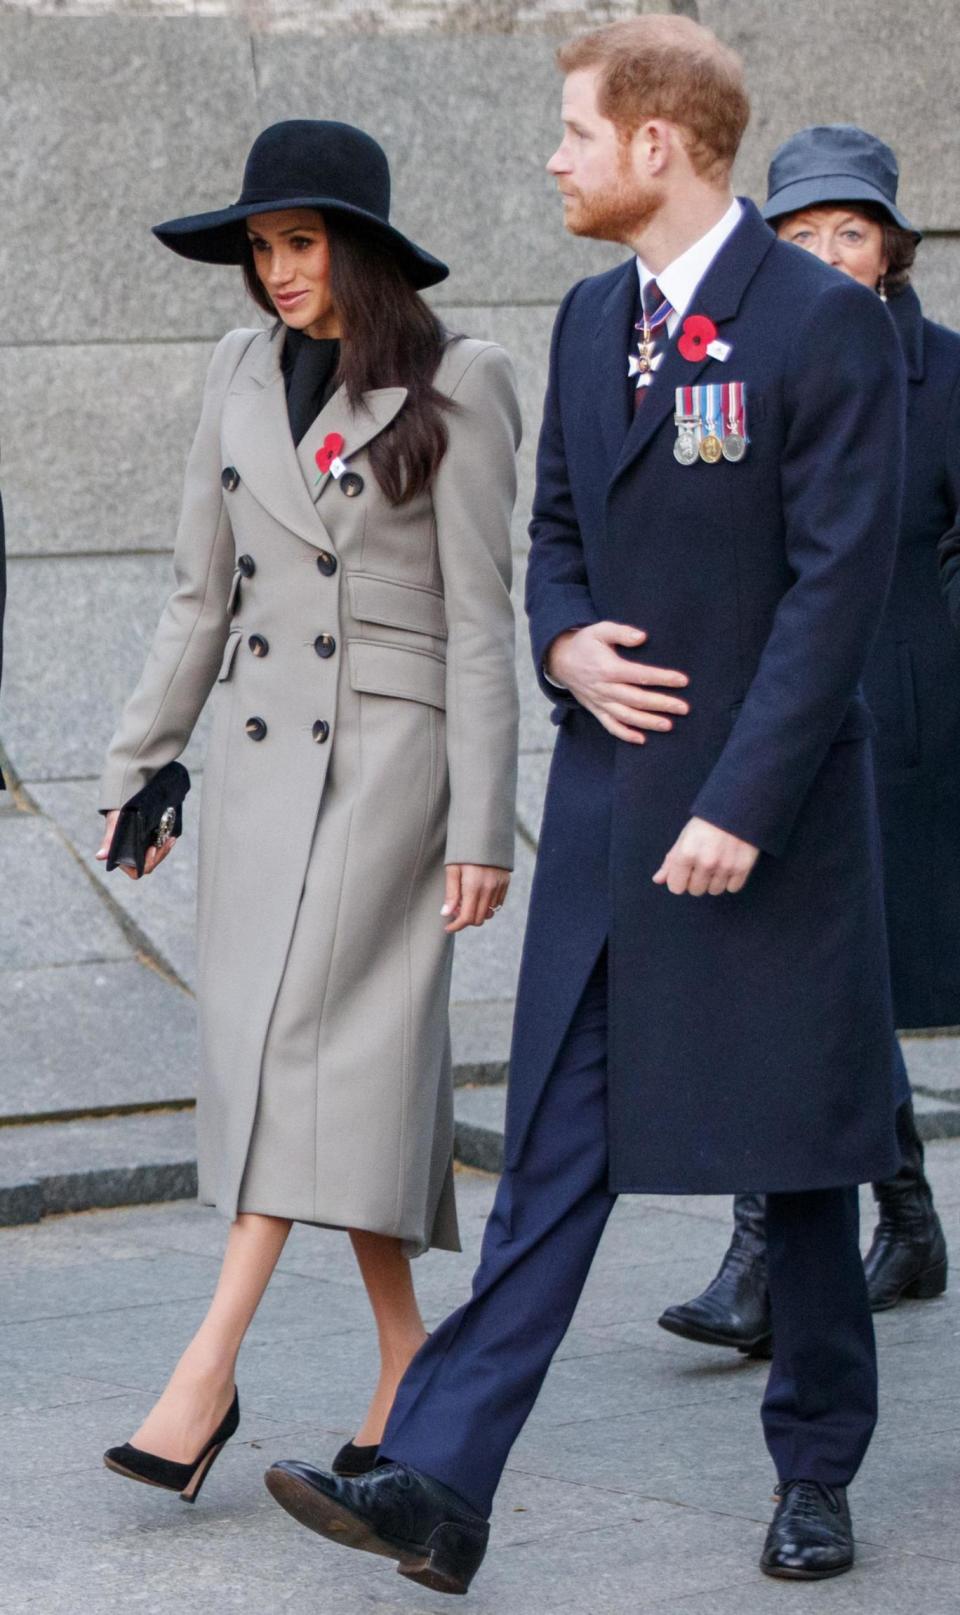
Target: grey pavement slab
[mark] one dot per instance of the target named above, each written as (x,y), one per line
(486,960)
(640,1483)
(107,126)
(76,637)
(91,1037)
(52,915)
(934,1064)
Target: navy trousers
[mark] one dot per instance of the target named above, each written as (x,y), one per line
(470,1389)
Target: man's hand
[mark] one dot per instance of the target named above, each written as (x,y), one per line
(586,662)
(704,859)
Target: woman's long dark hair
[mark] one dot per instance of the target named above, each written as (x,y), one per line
(391,338)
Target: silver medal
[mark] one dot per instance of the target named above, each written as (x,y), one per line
(686,449)
(734,446)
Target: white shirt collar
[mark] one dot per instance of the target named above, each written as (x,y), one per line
(679,280)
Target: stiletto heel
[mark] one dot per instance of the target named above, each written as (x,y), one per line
(186,1479)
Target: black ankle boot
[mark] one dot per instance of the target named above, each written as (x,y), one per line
(908,1256)
(734,1310)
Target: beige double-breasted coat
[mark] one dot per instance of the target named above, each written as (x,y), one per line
(361,662)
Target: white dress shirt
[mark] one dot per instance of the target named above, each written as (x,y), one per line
(679,280)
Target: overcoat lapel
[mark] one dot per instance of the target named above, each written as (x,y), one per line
(611,345)
(355,426)
(256,432)
(719,296)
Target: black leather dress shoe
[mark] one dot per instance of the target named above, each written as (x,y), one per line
(436,1539)
(734,1309)
(810,1535)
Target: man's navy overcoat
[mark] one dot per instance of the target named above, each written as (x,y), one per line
(750,1035)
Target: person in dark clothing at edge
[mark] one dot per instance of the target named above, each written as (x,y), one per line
(833,190)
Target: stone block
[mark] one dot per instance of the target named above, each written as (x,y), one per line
(871,62)
(479,1127)
(161,909)
(85,1037)
(109,125)
(468,125)
(936,276)
(94,452)
(532,790)
(54,1167)
(77,634)
(52,914)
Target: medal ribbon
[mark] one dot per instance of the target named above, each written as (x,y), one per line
(735,408)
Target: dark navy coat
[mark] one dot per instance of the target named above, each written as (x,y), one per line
(913,687)
(750,1040)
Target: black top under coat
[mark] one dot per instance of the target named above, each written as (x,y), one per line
(309,365)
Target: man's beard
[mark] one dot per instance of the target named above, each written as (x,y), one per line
(618,213)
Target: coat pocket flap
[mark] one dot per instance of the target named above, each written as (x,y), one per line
(381,669)
(229,652)
(396,605)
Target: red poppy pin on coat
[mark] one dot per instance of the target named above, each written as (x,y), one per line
(698,340)
(328,456)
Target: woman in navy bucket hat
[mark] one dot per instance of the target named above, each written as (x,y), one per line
(343,599)
(833,191)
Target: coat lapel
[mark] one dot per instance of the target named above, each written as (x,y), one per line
(611,346)
(355,426)
(907,316)
(719,296)
(256,434)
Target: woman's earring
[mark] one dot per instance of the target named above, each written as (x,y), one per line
(882,288)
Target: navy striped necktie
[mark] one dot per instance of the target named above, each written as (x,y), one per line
(651,338)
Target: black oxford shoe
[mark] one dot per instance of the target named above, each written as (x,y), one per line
(436,1539)
(810,1535)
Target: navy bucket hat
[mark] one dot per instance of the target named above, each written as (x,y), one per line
(305,162)
(833,162)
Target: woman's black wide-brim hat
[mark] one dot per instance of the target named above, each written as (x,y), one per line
(305,162)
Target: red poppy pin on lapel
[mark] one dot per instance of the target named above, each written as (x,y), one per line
(698,340)
(695,338)
(328,456)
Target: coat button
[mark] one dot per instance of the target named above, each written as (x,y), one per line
(320,731)
(256,728)
(351,484)
(247,565)
(258,644)
(327,563)
(324,645)
(230,478)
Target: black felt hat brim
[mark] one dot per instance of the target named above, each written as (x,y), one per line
(217,238)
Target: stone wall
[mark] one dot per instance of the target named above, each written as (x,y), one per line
(117,113)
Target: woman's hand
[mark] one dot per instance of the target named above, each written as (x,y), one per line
(155,855)
(475,893)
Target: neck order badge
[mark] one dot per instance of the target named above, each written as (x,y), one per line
(711,422)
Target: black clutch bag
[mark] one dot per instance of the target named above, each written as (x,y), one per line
(150,818)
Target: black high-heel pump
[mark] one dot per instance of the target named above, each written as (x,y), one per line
(186,1479)
(352,1460)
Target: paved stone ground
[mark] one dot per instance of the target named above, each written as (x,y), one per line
(640,1486)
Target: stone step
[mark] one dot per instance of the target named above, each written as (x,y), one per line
(96,1162)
